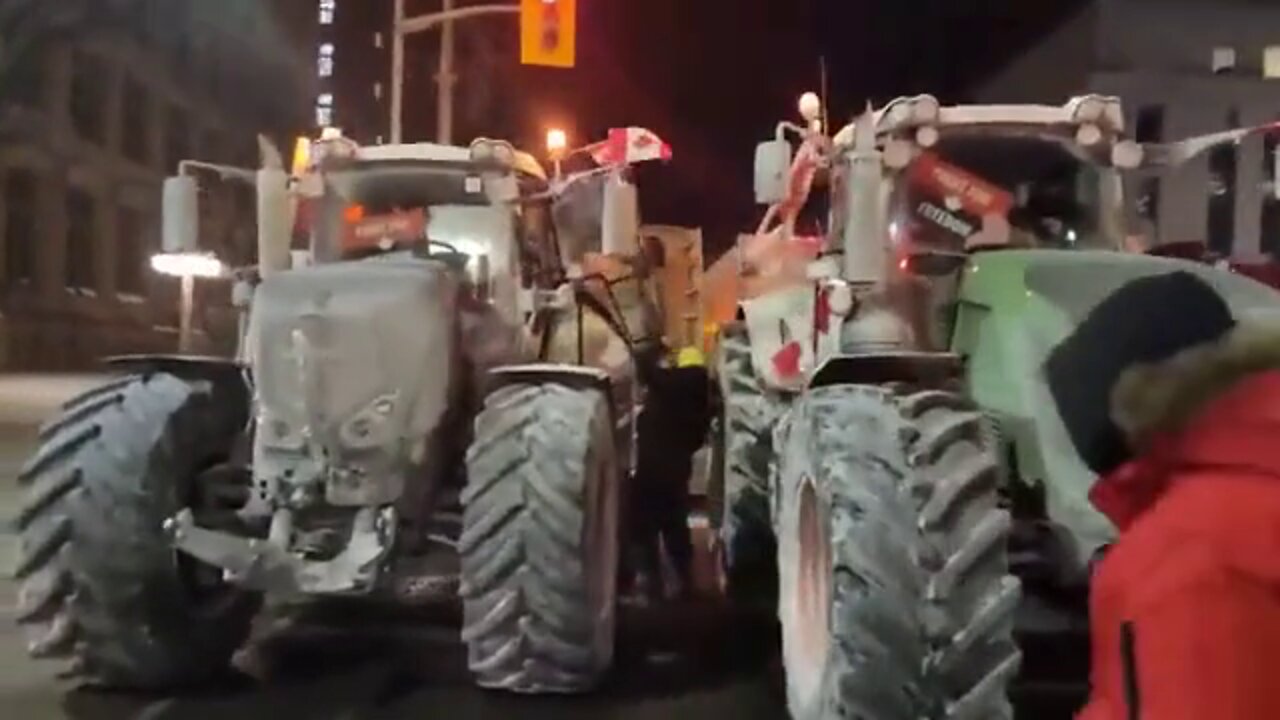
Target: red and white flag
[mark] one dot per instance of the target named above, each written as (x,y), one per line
(627,146)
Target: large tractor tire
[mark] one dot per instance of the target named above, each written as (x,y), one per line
(895,597)
(539,541)
(100,584)
(741,501)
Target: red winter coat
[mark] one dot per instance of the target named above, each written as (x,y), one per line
(1185,608)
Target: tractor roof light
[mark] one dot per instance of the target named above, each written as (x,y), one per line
(925,110)
(927,136)
(1089,109)
(1088,135)
(301,156)
(493,152)
(898,113)
(810,107)
(1105,112)
(332,146)
(1127,155)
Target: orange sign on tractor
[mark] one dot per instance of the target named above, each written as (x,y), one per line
(364,233)
(547,29)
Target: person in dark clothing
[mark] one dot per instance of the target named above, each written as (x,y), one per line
(672,426)
(1176,406)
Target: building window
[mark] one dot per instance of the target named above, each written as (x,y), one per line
(28,79)
(20,241)
(88,97)
(1271,62)
(1222,192)
(324,110)
(129,245)
(1149,128)
(137,122)
(327,10)
(324,66)
(176,139)
(1270,221)
(80,258)
(1224,60)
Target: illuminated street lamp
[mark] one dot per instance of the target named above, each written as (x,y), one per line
(557,143)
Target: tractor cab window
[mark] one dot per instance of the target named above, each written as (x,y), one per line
(431,207)
(976,191)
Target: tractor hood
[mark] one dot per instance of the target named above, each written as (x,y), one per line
(352,365)
(1015,307)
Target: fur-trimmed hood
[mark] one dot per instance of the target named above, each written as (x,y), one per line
(1162,398)
(1210,411)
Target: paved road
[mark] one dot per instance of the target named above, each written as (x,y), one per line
(688,662)
(691,662)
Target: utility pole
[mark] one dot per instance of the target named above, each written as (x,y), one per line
(445,80)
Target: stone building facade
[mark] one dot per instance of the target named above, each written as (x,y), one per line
(88,133)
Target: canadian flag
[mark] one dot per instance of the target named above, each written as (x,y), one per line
(626,146)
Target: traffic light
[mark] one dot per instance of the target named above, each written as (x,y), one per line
(547,30)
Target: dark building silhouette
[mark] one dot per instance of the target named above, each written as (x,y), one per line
(94,120)
(1182,68)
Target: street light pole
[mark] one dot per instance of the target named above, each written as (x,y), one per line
(405,26)
(186,308)
(397,74)
(446,80)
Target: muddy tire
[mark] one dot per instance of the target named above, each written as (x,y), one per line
(539,542)
(100,584)
(746,453)
(895,597)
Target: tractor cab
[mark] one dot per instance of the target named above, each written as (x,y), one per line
(482,210)
(975,191)
(969,178)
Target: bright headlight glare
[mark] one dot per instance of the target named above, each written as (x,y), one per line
(187,265)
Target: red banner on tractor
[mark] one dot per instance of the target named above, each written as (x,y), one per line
(362,232)
(977,196)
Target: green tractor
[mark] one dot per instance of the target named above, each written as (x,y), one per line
(889,448)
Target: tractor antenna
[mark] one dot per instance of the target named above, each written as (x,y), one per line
(822,90)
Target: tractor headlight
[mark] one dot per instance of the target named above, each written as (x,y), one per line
(925,110)
(368,427)
(279,434)
(493,152)
(1089,110)
(898,114)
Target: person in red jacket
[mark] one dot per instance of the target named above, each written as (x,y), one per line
(1177,407)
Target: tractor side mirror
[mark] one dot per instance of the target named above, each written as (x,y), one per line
(773,160)
(275,220)
(181,215)
(621,216)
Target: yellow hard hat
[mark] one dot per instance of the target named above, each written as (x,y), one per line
(690,357)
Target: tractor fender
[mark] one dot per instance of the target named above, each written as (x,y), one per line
(572,376)
(780,325)
(225,374)
(931,369)
(621,399)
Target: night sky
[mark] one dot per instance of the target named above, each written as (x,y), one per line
(714,76)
